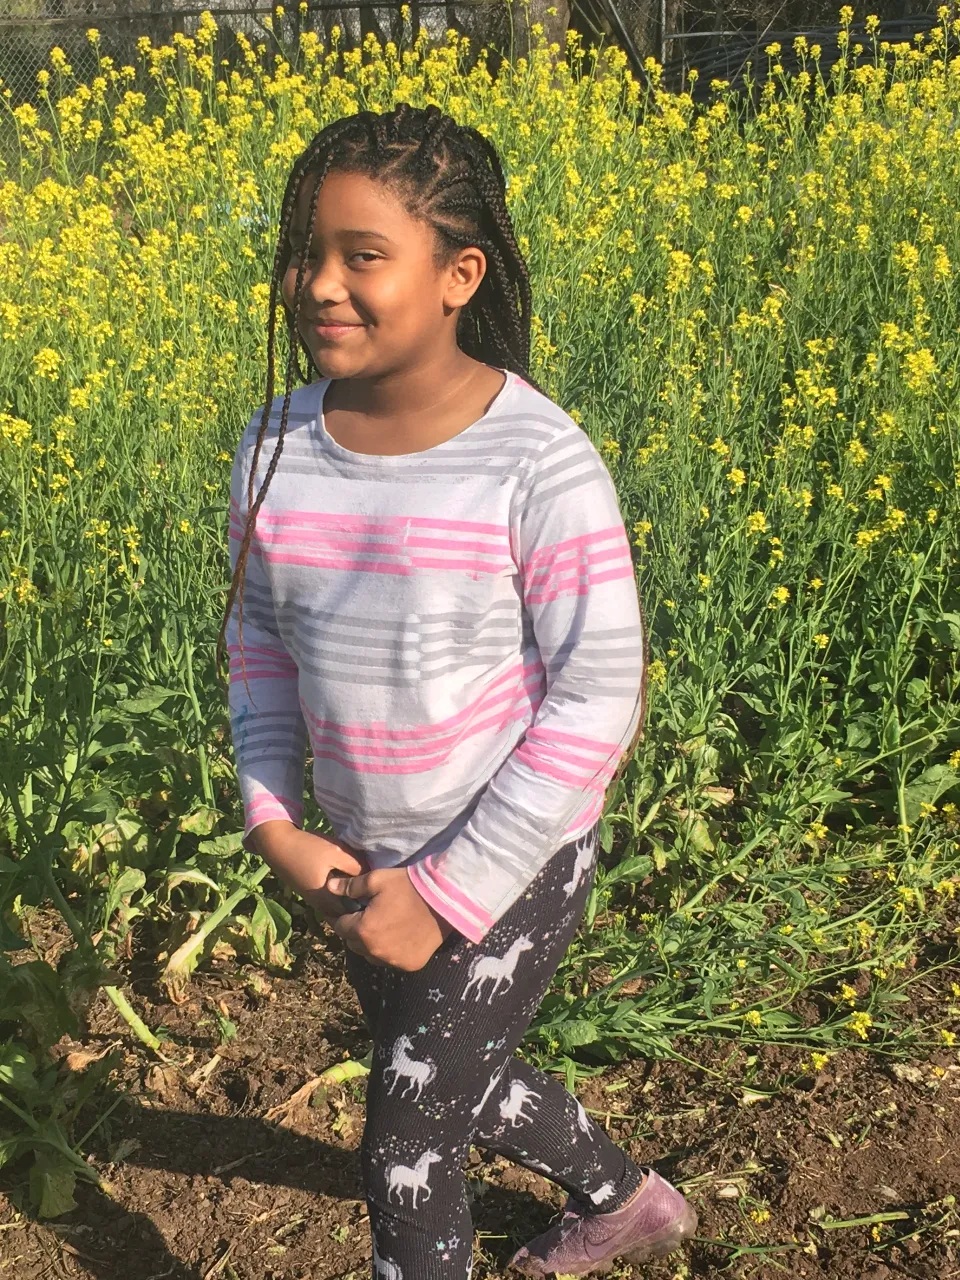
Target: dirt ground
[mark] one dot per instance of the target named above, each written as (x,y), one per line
(216,1174)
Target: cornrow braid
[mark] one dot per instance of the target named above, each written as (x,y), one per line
(448,175)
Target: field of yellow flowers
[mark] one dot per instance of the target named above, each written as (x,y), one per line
(752,309)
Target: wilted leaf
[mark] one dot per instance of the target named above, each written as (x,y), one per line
(201,822)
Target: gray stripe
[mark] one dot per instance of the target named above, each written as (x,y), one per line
(547,495)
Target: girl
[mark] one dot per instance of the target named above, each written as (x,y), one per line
(434,591)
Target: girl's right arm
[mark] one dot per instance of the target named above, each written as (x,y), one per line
(267,725)
(268,729)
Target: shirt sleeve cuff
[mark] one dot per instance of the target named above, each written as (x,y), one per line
(268,808)
(442,896)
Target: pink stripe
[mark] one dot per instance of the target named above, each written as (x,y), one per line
(542,574)
(378,566)
(280,654)
(432,750)
(463,923)
(557,755)
(426,870)
(363,523)
(580,587)
(276,806)
(541,766)
(586,820)
(261,673)
(521,675)
(387,544)
(571,544)
(437,758)
(572,740)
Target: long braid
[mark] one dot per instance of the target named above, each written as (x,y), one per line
(451,177)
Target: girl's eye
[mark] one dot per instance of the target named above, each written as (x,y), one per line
(367,255)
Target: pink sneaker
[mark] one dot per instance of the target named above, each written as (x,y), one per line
(654,1222)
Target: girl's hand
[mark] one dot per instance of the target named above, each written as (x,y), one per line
(396,927)
(304,860)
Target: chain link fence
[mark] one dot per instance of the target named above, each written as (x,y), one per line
(721,42)
(26,38)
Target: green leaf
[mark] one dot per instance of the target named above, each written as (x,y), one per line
(52,1182)
(35,992)
(572,1034)
(928,788)
(100,804)
(17,1067)
(606,835)
(630,870)
(10,1148)
(148,699)
(829,795)
(221,846)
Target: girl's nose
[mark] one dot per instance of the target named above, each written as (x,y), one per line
(323,284)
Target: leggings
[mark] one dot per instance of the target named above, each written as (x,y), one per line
(444,1076)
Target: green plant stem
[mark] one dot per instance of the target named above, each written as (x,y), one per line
(180,964)
(201,749)
(133,1020)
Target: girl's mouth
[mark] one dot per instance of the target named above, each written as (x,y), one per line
(334,331)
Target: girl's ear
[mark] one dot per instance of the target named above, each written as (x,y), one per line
(464,276)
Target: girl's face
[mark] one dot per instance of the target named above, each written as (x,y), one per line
(372,298)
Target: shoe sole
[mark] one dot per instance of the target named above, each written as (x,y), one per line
(659,1245)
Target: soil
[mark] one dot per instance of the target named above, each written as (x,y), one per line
(216,1174)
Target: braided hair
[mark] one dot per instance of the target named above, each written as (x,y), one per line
(448,175)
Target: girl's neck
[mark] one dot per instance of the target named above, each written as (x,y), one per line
(411,412)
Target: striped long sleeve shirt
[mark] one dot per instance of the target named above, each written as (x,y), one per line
(454,634)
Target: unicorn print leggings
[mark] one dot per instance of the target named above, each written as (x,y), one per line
(444,1076)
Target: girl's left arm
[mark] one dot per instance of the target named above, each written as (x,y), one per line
(580,592)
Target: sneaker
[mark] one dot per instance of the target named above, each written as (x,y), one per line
(654,1222)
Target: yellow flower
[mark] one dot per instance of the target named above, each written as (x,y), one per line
(816,584)
(754,1018)
(737,479)
(857,453)
(657,672)
(920,369)
(949,1038)
(860,1023)
(705,581)
(16,430)
(821,640)
(756,522)
(642,529)
(779,596)
(46,363)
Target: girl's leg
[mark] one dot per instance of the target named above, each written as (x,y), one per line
(444,1039)
(560,1141)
